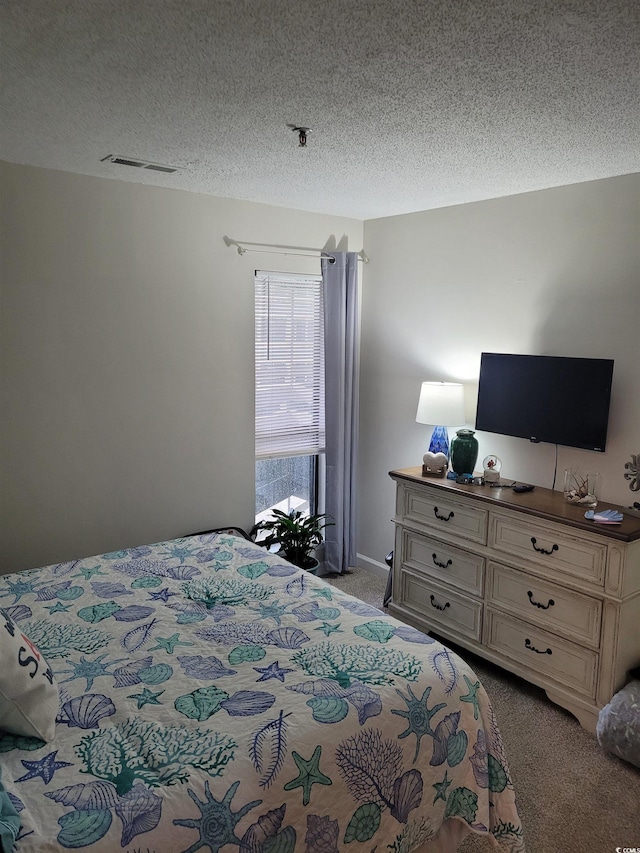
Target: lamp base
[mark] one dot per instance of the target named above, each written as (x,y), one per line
(439,441)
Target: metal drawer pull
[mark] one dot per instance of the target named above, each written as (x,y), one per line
(538,604)
(441,565)
(442,517)
(554,547)
(527,643)
(438,606)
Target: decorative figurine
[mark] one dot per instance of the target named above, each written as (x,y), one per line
(434,464)
(492,465)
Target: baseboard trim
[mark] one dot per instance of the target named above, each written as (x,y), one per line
(380,569)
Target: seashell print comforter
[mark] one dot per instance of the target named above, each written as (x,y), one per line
(214,697)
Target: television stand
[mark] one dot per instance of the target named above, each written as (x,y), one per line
(523,580)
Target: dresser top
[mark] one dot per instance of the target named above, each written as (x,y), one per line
(543,503)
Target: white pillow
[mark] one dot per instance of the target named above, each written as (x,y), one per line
(28,693)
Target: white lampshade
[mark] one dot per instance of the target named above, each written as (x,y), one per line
(441,404)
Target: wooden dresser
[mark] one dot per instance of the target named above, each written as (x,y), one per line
(523,580)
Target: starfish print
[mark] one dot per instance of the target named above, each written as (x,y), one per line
(309,774)
(147,697)
(217,821)
(472,696)
(323,593)
(89,573)
(161,595)
(58,607)
(19,588)
(179,552)
(272,611)
(168,643)
(327,629)
(44,768)
(441,788)
(274,670)
(89,669)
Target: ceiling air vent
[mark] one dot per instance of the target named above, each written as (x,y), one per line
(138,164)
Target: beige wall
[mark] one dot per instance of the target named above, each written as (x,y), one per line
(555,272)
(126,359)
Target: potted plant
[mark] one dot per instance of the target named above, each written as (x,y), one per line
(295,533)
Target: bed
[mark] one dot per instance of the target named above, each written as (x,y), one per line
(211,696)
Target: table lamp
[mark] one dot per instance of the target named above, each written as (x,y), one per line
(441,404)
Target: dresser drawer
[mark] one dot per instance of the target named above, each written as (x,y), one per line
(545,603)
(440,560)
(441,512)
(441,606)
(549,545)
(571,666)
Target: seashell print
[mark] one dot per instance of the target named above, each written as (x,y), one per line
(264,828)
(244,654)
(190,618)
(364,823)
(250,552)
(322,834)
(18,612)
(200,704)
(479,760)
(246,703)
(147,582)
(70,594)
(220,612)
(140,811)
(92,796)
(183,573)
(319,687)
(48,593)
(457,748)
(287,638)
(98,612)
(407,795)
(86,711)
(133,612)
(306,612)
(107,589)
(199,667)
(253,570)
(498,779)
(281,570)
(330,709)
(412,635)
(376,631)
(155,674)
(284,842)
(82,828)
(138,636)
(298,586)
(359,607)
(365,700)
(127,675)
(62,569)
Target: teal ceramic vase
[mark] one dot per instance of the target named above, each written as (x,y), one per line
(464,452)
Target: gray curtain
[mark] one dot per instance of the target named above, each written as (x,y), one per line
(341,406)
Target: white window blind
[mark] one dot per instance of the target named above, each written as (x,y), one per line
(289,365)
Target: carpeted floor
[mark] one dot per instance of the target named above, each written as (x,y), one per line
(573,797)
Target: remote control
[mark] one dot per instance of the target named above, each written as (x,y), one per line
(523,487)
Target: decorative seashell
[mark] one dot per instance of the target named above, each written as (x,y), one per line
(48,593)
(140,811)
(253,570)
(138,636)
(18,612)
(91,796)
(198,667)
(457,748)
(265,827)
(133,612)
(287,638)
(412,635)
(98,612)
(364,823)
(407,794)
(147,582)
(322,834)
(127,675)
(70,594)
(242,654)
(246,703)
(284,842)
(376,631)
(328,709)
(200,704)
(365,700)
(86,711)
(82,828)
(108,589)
(155,674)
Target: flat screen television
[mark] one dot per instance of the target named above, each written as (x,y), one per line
(545,398)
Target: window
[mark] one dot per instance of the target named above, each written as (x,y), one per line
(290,437)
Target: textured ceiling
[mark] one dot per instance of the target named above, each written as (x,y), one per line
(413,105)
